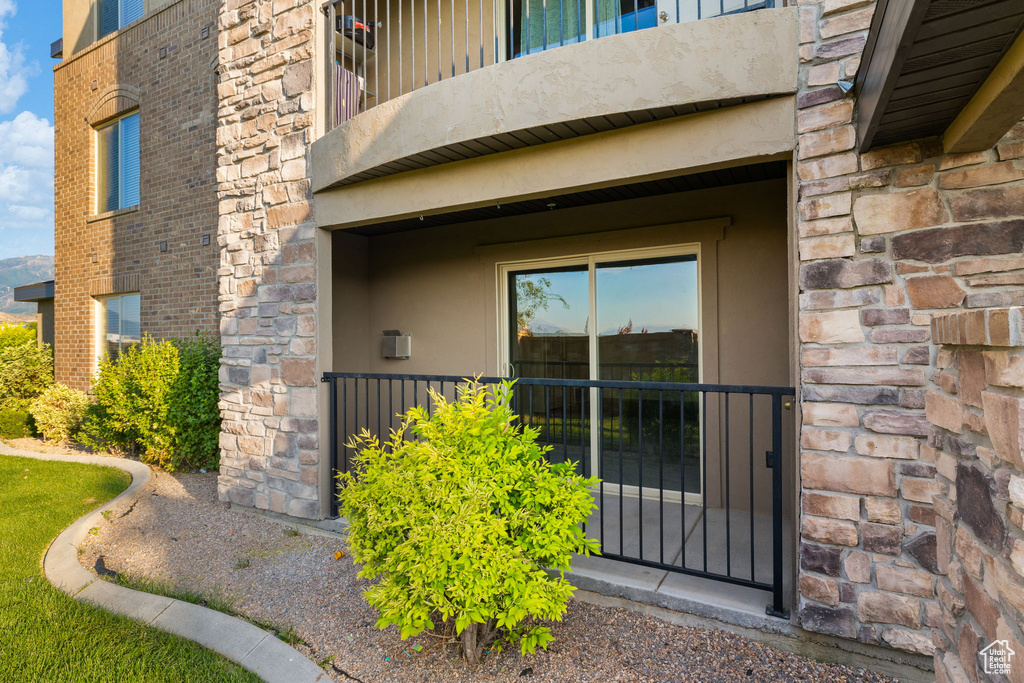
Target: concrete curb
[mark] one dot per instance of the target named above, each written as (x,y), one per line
(243,643)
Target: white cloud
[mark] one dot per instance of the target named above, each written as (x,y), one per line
(26,184)
(27,141)
(14,72)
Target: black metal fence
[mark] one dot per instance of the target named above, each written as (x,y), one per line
(691,473)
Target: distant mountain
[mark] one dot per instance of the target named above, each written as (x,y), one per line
(23,270)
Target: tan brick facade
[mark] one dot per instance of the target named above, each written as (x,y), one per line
(270,443)
(164,67)
(908,448)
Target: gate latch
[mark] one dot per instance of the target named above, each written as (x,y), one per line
(769,459)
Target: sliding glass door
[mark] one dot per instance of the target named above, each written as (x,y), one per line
(623,317)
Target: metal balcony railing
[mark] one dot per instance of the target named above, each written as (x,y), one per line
(691,474)
(386,48)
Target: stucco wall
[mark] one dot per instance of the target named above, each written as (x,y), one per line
(628,72)
(441,285)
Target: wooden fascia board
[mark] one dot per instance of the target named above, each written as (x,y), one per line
(890,40)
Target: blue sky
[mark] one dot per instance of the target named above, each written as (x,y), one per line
(659,297)
(26,125)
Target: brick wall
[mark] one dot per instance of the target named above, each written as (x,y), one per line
(165,67)
(268,256)
(889,240)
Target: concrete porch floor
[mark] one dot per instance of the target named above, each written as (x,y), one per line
(677,535)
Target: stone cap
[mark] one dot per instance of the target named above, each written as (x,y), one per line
(982,327)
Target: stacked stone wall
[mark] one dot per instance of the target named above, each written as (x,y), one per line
(888,241)
(270,442)
(977,413)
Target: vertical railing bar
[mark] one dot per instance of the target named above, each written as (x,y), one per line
(600,453)
(636,15)
(355,411)
(387,18)
(777,597)
(391,405)
(525,49)
(426,40)
(561,22)
(682,473)
(366,393)
(344,420)
(565,431)
(366,82)
(728,507)
(376,62)
(753,575)
(466,28)
(378,409)
(661,474)
(530,420)
(452,19)
(440,23)
(332,400)
(544,24)
(401,48)
(579,21)
(640,464)
(621,511)
(547,414)
(704,471)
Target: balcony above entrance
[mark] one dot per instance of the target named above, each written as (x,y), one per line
(572,90)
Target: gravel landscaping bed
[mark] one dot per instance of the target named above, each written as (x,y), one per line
(177,532)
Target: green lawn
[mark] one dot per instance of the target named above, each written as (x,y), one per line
(47,636)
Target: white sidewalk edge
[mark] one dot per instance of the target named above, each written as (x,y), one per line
(251,647)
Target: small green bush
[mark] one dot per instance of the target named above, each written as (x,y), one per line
(193,403)
(460,523)
(16,335)
(159,399)
(14,423)
(25,370)
(59,412)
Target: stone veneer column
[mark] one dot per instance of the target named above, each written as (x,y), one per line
(269,443)
(887,240)
(977,410)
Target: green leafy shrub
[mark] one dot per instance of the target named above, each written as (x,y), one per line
(460,523)
(14,422)
(16,335)
(159,399)
(26,368)
(193,403)
(59,412)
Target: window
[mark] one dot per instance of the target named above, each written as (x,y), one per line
(115,14)
(118,324)
(629,316)
(117,168)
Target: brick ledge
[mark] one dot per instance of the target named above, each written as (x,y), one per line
(981,327)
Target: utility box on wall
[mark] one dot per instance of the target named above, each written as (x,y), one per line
(396,345)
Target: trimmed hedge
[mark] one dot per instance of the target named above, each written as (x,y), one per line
(158,399)
(59,412)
